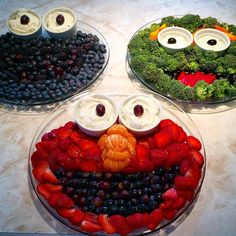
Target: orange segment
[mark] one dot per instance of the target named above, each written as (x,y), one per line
(118,147)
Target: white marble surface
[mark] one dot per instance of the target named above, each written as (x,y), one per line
(215,211)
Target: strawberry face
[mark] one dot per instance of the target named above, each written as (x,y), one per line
(160,179)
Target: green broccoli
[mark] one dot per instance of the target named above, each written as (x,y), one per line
(154,27)
(226,64)
(190,22)
(182,60)
(210,22)
(232,48)
(193,54)
(163,82)
(209,55)
(231,92)
(203,90)
(169,20)
(138,61)
(151,72)
(232,29)
(221,88)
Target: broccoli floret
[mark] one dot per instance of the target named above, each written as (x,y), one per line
(151,72)
(182,60)
(138,61)
(232,48)
(193,54)
(169,20)
(226,64)
(210,22)
(163,82)
(209,55)
(231,91)
(154,27)
(190,22)
(221,88)
(203,90)
(232,29)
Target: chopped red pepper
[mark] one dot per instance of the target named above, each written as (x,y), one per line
(192,79)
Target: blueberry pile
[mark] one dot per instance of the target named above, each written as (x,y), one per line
(117,193)
(45,69)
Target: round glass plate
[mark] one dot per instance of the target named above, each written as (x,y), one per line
(192,106)
(64,113)
(66,66)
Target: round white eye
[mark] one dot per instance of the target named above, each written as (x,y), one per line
(212,39)
(174,38)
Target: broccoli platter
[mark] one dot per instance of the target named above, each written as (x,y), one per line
(207,76)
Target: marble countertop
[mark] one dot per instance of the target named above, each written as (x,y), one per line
(215,210)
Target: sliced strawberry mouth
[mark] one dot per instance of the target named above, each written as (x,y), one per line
(160,180)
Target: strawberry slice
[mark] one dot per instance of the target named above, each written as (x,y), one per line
(90,227)
(158,157)
(92,154)
(77,217)
(67,213)
(60,200)
(179,203)
(166,204)
(182,135)
(64,144)
(197,157)
(52,188)
(88,166)
(120,223)
(186,194)
(163,139)
(74,151)
(164,123)
(43,155)
(43,173)
(43,192)
(142,158)
(184,166)
(170,194)
(86,144)
(47,146)
(106,225)
(169,214)
(71,125)
(185,183)
(91,217)
(174,130)
(35,159)
(154,219)
(194,143)
(137,220)
(64,132)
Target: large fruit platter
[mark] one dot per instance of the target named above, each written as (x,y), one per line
(118,182)
(187,58)
(46,69)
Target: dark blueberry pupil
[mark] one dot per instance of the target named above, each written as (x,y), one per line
(138,110)
(212,42)
(100,109)
(60,19)
(171,41)
(24,20)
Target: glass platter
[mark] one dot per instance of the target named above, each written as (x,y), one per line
(64,113)
(191,106)
(79,84)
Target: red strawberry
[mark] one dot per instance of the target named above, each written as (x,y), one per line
(158,157)
(74,151)
(43,155)
(106,225)
(43,174)
(49,136)
(52,188)
(179,203)
(137,220)
(77,217)
(142,158)
(59,157)
(120,223)
(64,132)
(166,204)
(64,144)
(35,159)
(60,200)
(71,163)
(43,192)
(89,227)
(154,219)
(91,217)
(185,183)
(197,157)
(88,166)
(174,130)
(47,146)
(169,214)
(75,136)
(92,154)
(184,166)
(70,125)
(182,135)
(194,143)
(170,194)
(54,166)
(86,144)
(186,194)
(165,123)
(67,213)
(176,153)
(163,139)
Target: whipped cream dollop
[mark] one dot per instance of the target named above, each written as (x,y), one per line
(150,117)
(87,117)
(52,24)
(15,25)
